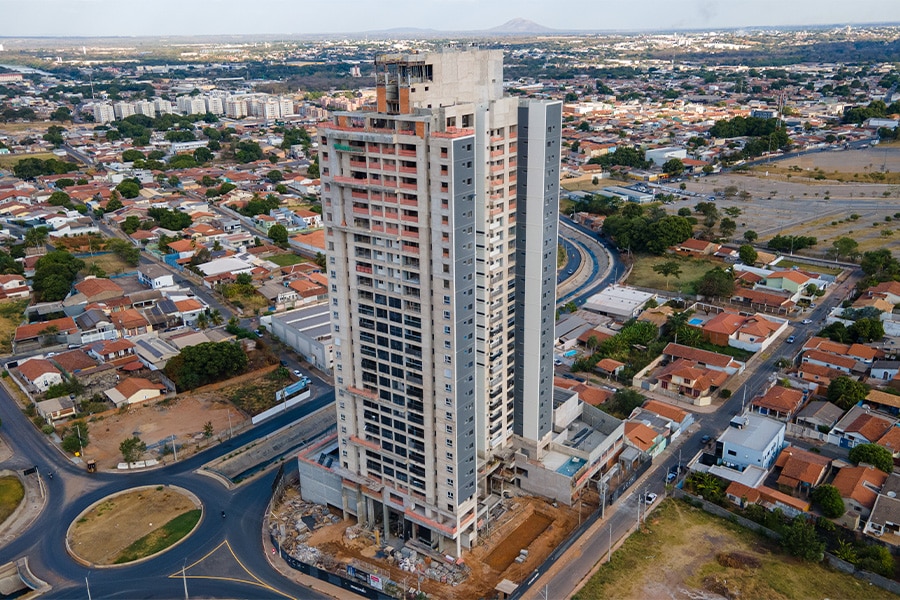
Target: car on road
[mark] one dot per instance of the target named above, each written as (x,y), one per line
(557,361)
(806,321)
(570,376)
(670,476)
(791,340)
(649,498)
(706,439)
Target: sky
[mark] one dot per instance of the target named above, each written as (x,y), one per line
(20,18)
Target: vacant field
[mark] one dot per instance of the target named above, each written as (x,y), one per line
(8,161)
(11,316)
(790,264)
(132,525)
(259,395)
(11,494)
(110,263)
(680,554)
(284,260)
(692,269)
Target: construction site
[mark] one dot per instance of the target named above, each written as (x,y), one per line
(518,535)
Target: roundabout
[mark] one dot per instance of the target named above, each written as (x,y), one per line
(133,525)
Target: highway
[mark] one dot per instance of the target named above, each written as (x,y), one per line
(238,569)
(578,560)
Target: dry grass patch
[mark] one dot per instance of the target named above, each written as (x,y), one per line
(683,552)
(131,525)
(11,494)
(692,269)
(12,314)
(8,161)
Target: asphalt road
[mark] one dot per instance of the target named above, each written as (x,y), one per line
(236,570)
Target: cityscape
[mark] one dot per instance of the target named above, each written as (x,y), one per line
(452,310)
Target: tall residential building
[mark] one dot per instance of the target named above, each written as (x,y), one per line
(145,107)
(214,105)
(441,222)
(104,113)
(163,107)
(123,109)
(236,108)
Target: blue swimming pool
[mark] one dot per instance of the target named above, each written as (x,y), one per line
(571,466)
(696,321)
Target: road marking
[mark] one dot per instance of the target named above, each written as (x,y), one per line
(256,581)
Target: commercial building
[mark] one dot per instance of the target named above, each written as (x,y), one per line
(440,210)
(308,331)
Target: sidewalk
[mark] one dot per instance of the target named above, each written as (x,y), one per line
(29,509)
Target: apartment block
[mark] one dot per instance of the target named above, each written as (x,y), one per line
(440,210)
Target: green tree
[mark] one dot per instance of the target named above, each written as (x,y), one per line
(62,113)
(54,274)
(319,260)
(132,155)
(845,247)
(206,363)
(278,234)
(623,403)
(129,188)
(247,151)
(716,283)
(673,167)
(727,227)
(71,442)
(866,329)
(36,237)
(829,500)
(203,155)
(876,559)
(54,135)
(274,176)
(845,392)
(747,254)
(244,279)
(208,430)
(668,269)
(872,454)
(131,224)
(801,540)
(132,448)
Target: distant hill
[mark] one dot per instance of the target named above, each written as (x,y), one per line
(520,26)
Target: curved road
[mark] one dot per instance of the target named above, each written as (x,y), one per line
(225,557)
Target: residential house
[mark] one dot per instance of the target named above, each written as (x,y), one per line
(133,390)
(779,403)
(885,372)
(859,487)
(649,440)
(75,361)
(706,359)
(889,403)
(693,246)
(56,408)
(13,287)
(884,520)
(40,373)
(55,331)
(93,290)
(793,282)
(744,495)
(155,276)
(679,420)
(891,440)
(112,350)
(94,325)
(609,367)
(189,309)
(819,415)
(888,290)
(859,426)
(754,333)
(750,440)
(690,379)
(800,470)
(306,219)
(153,352)
(130,322)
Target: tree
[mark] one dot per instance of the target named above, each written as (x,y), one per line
(716,283)
(208,430)
(244,279)
(866,329)
(114,202)
(829,500)
(129,188)
(845,392)
(623,403)
(203,155)
(215,317)
(727,226)
(668,269)
(206,363)
(319,260)
(278,234)
(845,247)
(673,167)
(36,237)
(132,155)
(274,176)
(54,274)
(247,151)
(54,135)
(131,224)
(132,448)
(872,454)
(62,113)
(748,255)
(71,442)
(801,540)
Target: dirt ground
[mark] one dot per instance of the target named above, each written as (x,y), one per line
(100,535)
(155,424)
(529,523)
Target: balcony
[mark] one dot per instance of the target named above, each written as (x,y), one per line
(408,186)
(406,152)
(358,210)
(409,202)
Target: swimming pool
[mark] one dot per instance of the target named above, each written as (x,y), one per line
(696,321)
(571,466)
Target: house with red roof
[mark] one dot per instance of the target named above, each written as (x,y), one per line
(801,470)
(687,378)
(779,402)
(859,487)
(695,247)
(770,499)
(133,390)
(130,322)
(55,330)
(13,287)
(40,373)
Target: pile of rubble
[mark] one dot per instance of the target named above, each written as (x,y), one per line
(411,560)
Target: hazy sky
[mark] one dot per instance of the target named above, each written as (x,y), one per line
(179,17)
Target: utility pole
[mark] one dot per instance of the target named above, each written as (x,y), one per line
(88,585)
(230,431)
(184,579)
(174,449)
(609,549)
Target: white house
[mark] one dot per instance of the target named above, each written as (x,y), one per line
(40,373)
(751,440)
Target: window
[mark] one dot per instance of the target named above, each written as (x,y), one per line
(449,428)
(449,456)
(447,329)
(450,495)
(449,482)
(450,468)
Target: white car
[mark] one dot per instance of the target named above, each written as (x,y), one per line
(806,321)
(557,361)
(650,498)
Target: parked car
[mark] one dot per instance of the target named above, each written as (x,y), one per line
(806,321)
(650,498)
(705,440)
(791,340)
(670,477)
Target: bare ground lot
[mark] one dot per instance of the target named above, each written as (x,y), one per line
(684,553)
(808,207)
(100,535)
(183,417)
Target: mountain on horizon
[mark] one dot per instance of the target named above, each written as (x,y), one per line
(520,25)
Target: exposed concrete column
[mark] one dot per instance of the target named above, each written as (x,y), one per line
(386,520)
